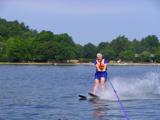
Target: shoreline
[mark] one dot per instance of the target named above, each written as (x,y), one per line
(69,64)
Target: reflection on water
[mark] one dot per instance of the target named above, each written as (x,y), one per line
(99,108)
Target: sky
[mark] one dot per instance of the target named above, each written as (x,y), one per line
(86,21)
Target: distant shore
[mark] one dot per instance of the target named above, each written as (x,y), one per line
(67,64)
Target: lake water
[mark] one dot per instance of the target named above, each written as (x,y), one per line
(46,92)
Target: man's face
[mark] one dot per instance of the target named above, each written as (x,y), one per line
(99,59)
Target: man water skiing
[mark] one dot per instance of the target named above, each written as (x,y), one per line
(101,73)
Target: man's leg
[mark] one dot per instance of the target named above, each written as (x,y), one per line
(96,83)
(103,85)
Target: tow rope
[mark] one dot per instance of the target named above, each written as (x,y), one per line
(119,101)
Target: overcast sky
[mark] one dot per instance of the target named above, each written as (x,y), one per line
(87,20)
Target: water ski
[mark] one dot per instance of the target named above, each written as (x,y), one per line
(93,95)
(82,97)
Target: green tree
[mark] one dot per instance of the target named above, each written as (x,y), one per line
(136,46)
(64,39)
(14,29)
(1,39)
(42,46)
(120,44)
(79,51)
(150,43)
(44,36)
(1,45)
(101,47)
(89,51)
(145,56)
(17,51)
(1,48)
(127,55)
(157,56)
(109,54)
(20,43)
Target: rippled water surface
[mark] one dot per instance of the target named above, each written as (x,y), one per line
(46,92)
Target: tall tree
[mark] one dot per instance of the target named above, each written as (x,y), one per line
(17,51)
(89,51)
(150,43)
(120,44)
(102,46)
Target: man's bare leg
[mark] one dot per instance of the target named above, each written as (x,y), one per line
(96,83)
(103,85)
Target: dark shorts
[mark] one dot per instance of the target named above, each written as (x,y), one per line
(98,75)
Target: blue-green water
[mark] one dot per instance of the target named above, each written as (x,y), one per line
(46,92)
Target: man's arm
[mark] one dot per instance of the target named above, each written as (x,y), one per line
(97,67)
(105,66)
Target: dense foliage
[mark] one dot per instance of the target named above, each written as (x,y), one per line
(18,43)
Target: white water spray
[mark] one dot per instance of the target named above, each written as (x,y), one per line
(147,87)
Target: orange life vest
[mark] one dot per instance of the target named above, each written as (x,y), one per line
(101,65)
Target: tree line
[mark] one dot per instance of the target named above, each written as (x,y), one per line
(19,43)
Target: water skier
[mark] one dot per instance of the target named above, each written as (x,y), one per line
(101,73)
